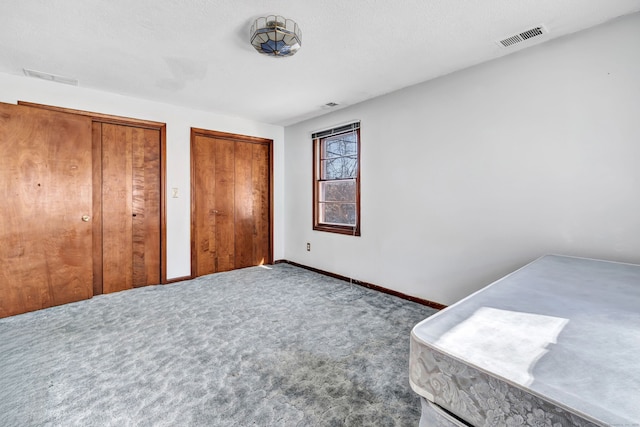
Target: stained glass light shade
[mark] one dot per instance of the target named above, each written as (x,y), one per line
(276,36)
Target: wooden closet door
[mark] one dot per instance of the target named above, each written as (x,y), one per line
(46,186)
(214,196)
(203,177)
(222,206)
(146,208)
(231,202)
(251,204)
(130,204)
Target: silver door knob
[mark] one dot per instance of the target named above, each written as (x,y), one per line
(86,218)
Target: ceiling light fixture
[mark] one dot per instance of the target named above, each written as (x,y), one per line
(276,36)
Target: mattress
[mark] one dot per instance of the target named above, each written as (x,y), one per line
(556,343)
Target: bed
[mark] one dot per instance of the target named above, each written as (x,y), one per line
(555,343)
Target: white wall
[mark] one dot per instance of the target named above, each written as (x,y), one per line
(474,174)
(179,121)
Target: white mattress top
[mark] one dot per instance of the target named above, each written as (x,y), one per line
(566,329)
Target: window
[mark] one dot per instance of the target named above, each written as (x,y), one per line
(336,180)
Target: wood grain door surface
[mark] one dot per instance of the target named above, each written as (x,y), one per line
(130,206)
(231,203)
(46,186)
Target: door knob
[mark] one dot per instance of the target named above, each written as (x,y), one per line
(86,218)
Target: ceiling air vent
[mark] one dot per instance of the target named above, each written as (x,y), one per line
(50,77)
(520,37)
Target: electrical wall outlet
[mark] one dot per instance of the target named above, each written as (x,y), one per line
(308,247)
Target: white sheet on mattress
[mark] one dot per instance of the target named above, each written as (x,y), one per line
(508,343)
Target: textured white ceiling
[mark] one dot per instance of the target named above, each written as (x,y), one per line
(196,53)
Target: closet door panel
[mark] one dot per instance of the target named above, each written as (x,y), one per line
(261,185)
(117,204)
(243,204)
(224,205)
(204,178)
(96,148)
(152,206)
(131,227)
(46,183)
(146,206)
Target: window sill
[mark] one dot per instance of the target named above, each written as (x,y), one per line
(338,229)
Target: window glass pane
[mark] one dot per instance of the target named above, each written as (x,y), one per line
(340,145)
(338,191)
(336,187)
(338,213)
(341,167)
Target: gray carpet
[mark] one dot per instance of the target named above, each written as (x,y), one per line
(251,347)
